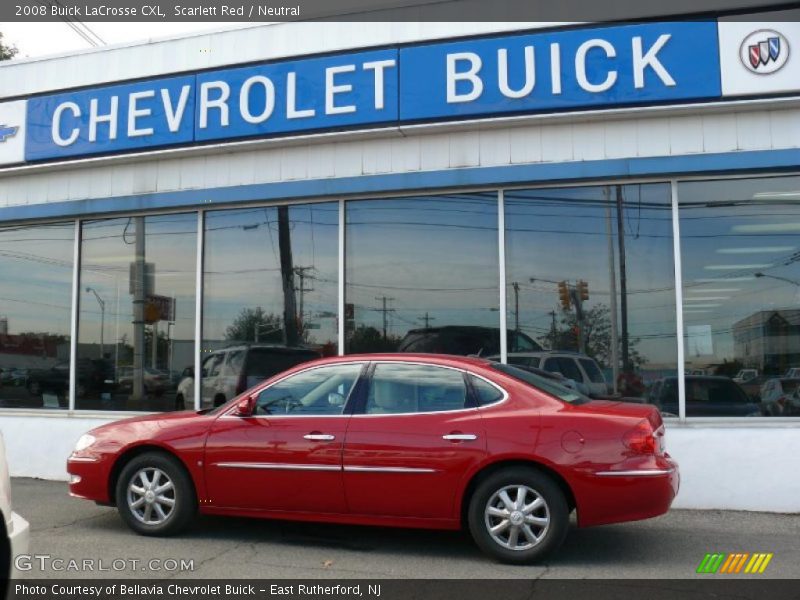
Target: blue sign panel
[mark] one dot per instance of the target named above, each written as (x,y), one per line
(643,63)
(597,67)
(121,117)
(319,93)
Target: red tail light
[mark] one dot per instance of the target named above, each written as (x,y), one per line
(643,440)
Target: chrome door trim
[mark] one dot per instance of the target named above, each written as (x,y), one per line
(362,469)
(635,473)
(277,466)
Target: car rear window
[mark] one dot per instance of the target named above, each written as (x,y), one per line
(546,385)
(592,370)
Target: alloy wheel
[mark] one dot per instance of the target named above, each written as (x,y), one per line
(517,517)
(151,496)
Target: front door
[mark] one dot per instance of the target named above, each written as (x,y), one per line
(409,447)
(287,455)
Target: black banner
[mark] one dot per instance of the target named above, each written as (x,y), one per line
(372,10)
(711,588)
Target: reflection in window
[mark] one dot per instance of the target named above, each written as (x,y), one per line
(740,244)
(137,311)
(590,277)
(400,388)
(36,271)
(270,293)
(422,275)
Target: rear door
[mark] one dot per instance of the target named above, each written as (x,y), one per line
(411,441)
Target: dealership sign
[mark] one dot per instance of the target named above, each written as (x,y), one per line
(579,69)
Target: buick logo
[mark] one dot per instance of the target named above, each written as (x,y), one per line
(764,51)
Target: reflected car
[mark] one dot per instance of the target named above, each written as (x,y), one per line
(230,371)
(745,375)
(709,396)
(155,382)
(404,440)
(779,397)
(464,340)
(580,368)
(94,377)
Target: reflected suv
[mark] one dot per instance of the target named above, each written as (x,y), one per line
(231,371)
(464,340)
(581,369)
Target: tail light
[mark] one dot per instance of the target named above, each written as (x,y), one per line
(643,440)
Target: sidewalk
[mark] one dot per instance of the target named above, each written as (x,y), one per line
(671,546)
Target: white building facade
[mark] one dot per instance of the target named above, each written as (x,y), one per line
(410,186)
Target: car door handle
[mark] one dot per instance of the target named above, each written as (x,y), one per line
(460,437)
(322,437)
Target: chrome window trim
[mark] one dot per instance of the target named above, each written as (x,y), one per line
(433,412)
(232,409)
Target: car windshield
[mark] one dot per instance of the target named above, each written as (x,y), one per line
(544,384)
(592,370)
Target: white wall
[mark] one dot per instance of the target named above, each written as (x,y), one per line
(722,466)
(634,133)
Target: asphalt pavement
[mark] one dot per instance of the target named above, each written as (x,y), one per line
(79,539)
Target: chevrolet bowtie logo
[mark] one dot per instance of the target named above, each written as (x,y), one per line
(7,132)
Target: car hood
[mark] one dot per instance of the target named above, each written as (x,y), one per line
(153,426)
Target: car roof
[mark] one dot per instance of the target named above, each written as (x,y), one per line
(409,357)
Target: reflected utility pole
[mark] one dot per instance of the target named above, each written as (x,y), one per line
(290,330)
(385,312)
(515,287)
(623,284)
(138,310)
(612,286)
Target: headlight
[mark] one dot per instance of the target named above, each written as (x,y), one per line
(84,442)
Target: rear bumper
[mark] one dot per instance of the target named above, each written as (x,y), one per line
(631,494)
(18,536)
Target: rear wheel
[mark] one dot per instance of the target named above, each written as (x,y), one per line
(155,495)
(518,515)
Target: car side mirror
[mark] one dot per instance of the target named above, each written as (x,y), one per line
(245,407)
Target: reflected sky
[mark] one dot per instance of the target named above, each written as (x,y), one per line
(435,259)
(740,241)
(571,234)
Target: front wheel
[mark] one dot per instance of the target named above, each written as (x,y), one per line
(518,515)
(155,495)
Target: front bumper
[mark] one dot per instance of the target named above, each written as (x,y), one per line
(19,537)
(88,477)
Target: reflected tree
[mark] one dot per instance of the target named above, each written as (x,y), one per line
(596,325)
(366,338)
(255,325)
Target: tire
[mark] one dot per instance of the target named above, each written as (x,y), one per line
(167,520)
(34,388)
(498,495)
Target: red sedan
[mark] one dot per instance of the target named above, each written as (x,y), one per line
(400,440)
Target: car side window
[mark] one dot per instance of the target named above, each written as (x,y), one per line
(486,393)
(211,365)
(570,369)
(320,391)
(404,388)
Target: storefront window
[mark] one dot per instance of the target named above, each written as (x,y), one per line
(137,311)
(422,275)
(270,294)
(590,278)
(740,245)
(36,271)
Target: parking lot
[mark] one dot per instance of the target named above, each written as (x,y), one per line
(667,547)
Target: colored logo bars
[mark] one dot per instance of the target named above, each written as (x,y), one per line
(765,51)
(735,563)
(7,132)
